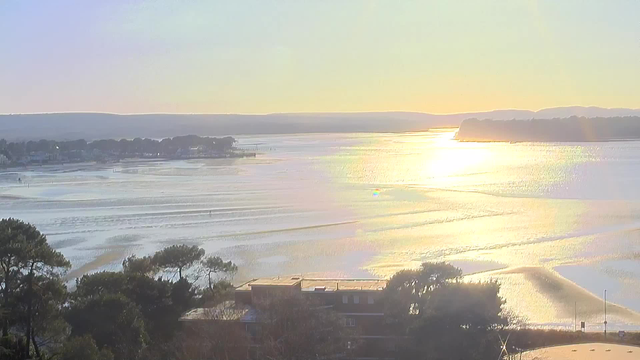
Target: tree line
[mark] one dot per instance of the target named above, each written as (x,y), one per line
(122,315)
(133,314)
(14,151)
(567,129)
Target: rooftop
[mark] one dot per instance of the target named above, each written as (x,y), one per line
(317,284)
(275,281)
(227,311)
(343,284)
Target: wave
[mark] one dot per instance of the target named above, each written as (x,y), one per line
(438,221)
(290,229)
(184,224)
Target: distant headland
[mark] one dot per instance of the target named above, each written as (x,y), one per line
(91,126)
(571,129)
(107,151)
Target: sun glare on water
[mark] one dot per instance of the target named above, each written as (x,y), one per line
(481,206)
(449,159)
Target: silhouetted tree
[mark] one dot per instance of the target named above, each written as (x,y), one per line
(407,292)
(142,266)
(153,297)
(91,286)
(113,321)
(178,257)
(214,265)
(83,348)
(26,261)
(444,317)
(48,327)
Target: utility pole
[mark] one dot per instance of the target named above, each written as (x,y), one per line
(575,316)
(605,314)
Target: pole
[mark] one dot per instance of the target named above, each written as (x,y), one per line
(575,316)
(605,314)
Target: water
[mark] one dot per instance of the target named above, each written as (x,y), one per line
(555,223)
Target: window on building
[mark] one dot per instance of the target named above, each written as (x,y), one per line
(345,299)
(349,322)
(356,299)
(370,299)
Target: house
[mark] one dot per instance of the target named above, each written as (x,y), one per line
(359,301)
(39,157)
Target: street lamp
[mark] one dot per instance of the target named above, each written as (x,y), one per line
(605,314)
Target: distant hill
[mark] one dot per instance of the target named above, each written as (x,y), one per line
(570,129)
(90,126)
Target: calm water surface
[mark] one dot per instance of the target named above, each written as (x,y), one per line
(555,223)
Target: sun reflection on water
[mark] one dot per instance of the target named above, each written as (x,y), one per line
(445,200)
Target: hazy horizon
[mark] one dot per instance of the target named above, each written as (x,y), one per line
(288,57)
(75,125)
(328,112)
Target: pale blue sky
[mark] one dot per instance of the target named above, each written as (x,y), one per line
(287,56)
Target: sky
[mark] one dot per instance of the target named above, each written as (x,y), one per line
(268,56)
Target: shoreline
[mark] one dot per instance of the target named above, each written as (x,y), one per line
(562,294)
(128,160)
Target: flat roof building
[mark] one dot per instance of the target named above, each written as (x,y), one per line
(358,301)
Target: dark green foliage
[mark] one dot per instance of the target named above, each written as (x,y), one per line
(221,290)
(48,327)
(182,294)
(142,266)
(113,321)
(32,292)
(443,317)
(156,299)
(178,258)
(74,150)
(214,265)
(460,321)
(153,297)
(466,305)
(408,291)
(12,348)
(146,292)
(158,302)
(83,348)
(90,286)
(110,315)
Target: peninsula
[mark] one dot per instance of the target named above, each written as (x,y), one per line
(571,129)
(111,150)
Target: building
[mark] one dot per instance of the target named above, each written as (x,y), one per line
(359,301)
